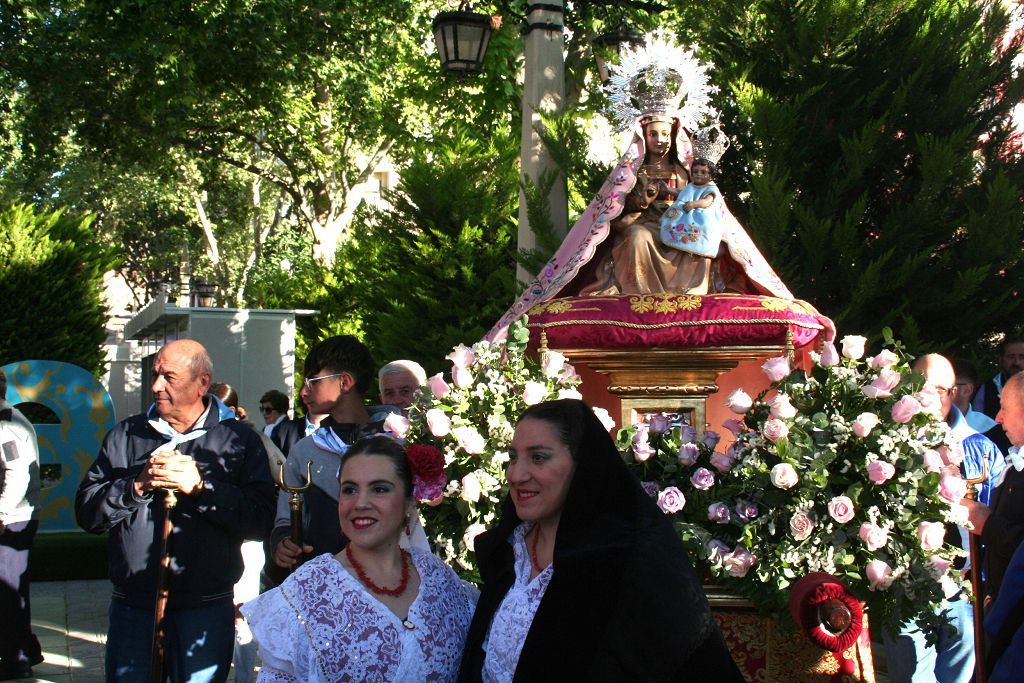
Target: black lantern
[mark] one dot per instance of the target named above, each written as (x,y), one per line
(462,39)
(203,292)
(608,47)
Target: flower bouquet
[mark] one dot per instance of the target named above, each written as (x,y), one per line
(846,470)
(468,421)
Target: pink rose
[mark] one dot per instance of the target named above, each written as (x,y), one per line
(880,471)
(853,346)
(569,393)
(688,454)
(932,461)
(782,408)
(874,536)
(397,424)
(776,368)
(905,409)
(606,420)
(735,426)
(801,525)
(438,423)
(829,356)
(928,397)
(717,550)
(952,455)
(469,440)
(461,356)
(470,534)
(471,488)
(784,476)
(864,423)
(534,392)
(462,377)
(719,513)
(711,439)
(643,451)
(952,488)
(931,535)
(739,402)
(722,462)
(775,429)
(738,562)
(884,359)
(702,479)
(841,509)
(438,387)
(551,363)
(879,575)
(671,500)
(659,423)
(746,510)
(882,386)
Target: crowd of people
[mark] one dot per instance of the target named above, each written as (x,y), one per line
(583,577)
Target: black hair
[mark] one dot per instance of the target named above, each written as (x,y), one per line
(965,371)
(278,400)
(565,416)
(704,161)
(385,447)
(342,353)
(1007,342)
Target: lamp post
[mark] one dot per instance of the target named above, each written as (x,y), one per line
(609,45)
(462,39)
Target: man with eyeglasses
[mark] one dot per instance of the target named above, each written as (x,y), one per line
(274,409)
(952,658)
(338,372)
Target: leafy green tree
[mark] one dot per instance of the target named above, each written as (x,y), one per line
(437,268)
(51,278)
(877,166)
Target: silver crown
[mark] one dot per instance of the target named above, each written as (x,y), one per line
(659,79)
(710,143)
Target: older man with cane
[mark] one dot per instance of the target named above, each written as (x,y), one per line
(178,489)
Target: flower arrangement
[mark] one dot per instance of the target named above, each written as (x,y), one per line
(469,420)
(846,470)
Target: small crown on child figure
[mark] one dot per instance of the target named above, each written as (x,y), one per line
(710,143)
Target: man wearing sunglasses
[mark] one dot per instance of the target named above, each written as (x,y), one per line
(338,372)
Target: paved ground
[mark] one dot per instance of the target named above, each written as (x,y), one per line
(70,620)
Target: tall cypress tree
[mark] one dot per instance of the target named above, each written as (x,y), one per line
(877,166)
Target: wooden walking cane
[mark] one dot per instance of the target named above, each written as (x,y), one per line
(974,548)
(295,504)
(163,591)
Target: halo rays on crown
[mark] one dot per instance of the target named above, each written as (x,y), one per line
(659,79)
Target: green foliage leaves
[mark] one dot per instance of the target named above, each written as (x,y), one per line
(51,274)
(436,269)
(875,170)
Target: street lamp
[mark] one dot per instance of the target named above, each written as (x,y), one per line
(462,39)
(609,46)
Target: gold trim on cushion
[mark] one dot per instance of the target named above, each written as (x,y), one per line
(677,323)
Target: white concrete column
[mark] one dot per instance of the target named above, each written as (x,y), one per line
(543,91)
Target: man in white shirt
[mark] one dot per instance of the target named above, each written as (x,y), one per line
(19,496)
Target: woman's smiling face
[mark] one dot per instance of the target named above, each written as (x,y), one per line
(372,502)
(539,472)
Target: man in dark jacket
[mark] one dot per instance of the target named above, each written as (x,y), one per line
(190,443)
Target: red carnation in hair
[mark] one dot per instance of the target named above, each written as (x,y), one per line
(428,475)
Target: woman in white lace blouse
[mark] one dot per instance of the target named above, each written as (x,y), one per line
(374,611)
(584,577)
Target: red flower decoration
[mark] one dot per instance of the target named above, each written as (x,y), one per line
(426,461)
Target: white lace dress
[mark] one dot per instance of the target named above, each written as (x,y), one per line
(512,621)
(321,625)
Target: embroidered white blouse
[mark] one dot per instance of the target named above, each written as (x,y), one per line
(322,626)
(512,620)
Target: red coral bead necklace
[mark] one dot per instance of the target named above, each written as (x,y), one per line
(368,582)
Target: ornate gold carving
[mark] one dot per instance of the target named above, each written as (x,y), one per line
(686,389)
(664,303)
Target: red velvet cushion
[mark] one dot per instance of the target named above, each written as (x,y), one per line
(673,321)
